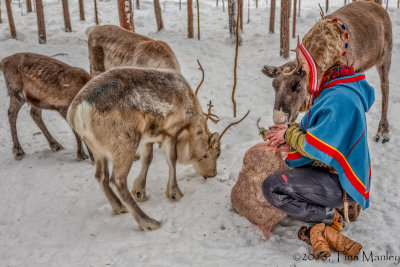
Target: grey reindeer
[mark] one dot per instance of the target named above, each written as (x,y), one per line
(370,44)
(124,107)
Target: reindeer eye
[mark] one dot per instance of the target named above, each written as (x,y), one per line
(205,156)
(294,88)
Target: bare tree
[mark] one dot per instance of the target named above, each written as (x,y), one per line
(326,6)
(272,17)
(96,17)
(11,19)
(223,6)
(157,11)
(241,13)
(345,2)
(231,16)
(40,22)
(284,40)
(294,19)
(81,10)
(236,59)
(299,8)
(387,4)
(190,18)
(198,19)
(67,20)
(180,4)
(256,3)
(248,11)
(137,4)
(125,15)
(28,6)
(1,21)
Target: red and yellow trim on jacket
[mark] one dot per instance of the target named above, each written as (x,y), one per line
(334,153)
(294,155)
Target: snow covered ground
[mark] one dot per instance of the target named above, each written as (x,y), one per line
(53,213)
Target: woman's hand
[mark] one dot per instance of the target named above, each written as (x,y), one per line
(276,137)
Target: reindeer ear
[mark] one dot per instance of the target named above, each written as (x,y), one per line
(270,71)
(214,140)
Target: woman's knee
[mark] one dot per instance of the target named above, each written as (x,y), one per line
(268,187)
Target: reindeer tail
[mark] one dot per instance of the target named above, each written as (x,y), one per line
(89,30)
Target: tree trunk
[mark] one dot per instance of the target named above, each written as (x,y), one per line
(240,2)
(236,59)
(299,7)
(294,19)
(387,4)
(256,3)
(180,4)
(81,10)
(11,19)
(28,6)
(327,6)
(198,19)
(125,15)
(67,20)
(248,11)
(345,2)
(137,4)
(223,6)
(40,22)
(284,41)
(398,3)
(1,21)
(157,11)
(217,3)
(272,17)
(96,17)
(231,17)
(190,18)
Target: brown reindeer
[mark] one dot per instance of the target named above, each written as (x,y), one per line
(124,107)
(43,83)
(112,46)
(370,44)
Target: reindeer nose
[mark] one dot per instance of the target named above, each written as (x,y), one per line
(280,117)
(210,175)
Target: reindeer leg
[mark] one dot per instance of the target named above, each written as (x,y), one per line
(80,155)
(173,192)
(103,177)
(36,114)
(139,186)
(383,69)
(118,183)
(15,105)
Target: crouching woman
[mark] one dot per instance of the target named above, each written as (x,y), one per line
(329,150)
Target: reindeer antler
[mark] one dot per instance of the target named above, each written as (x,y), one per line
(297,58)
(322,12)
(233,123)
(214,118)
(202,78)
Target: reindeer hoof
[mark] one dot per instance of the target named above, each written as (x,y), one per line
(56,147)
(139,196)
(149,225)
(385,139)
(377,137)
(82,157)
(119,211)
(175,195)
(18,153)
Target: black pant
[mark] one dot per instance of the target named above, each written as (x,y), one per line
(306,193)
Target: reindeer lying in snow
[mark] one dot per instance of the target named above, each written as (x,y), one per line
(124,107)
(112,46)
(370,44)
(44,83)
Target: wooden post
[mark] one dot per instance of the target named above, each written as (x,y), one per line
(284,40)
(137,4)
(67,20)
(198,19)
(125,15)
(157,11)
(40,22)
(294,19)
(272,17)
(28,6)
(327,6)
(81,10)
(190,18)
(11,19)
(96,17)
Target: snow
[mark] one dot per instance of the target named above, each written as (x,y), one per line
(53,212)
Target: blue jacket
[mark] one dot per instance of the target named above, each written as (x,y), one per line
(336,131)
